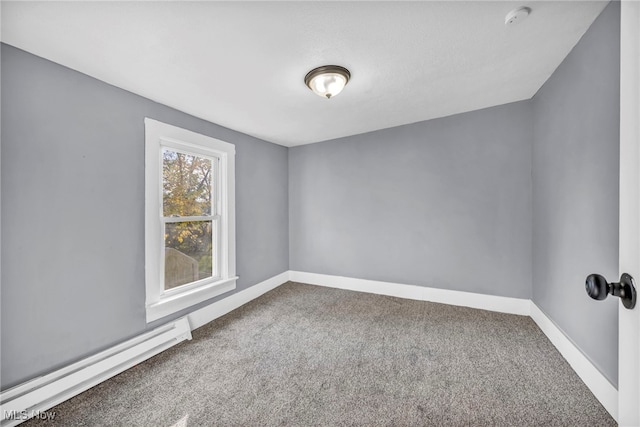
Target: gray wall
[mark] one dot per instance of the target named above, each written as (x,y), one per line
(73,213)
(575,190)
(443,203)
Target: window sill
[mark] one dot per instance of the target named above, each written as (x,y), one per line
(180,301)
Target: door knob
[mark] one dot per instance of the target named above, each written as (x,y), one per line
(598,288)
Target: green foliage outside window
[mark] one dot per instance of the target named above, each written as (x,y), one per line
(187,191)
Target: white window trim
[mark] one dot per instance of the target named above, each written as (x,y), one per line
(158,302)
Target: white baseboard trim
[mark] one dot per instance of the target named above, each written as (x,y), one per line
(601,388)
(465,299)
(32,398)
(220,308)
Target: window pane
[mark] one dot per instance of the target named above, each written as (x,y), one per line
(188,252)
(187,185)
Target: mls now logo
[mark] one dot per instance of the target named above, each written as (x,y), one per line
(25,415)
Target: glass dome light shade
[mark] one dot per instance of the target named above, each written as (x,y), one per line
(327,81)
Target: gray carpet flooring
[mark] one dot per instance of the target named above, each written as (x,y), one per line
(303,355)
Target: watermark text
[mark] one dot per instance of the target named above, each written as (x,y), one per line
(25,415)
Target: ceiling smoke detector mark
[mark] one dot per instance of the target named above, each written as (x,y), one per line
(517,15)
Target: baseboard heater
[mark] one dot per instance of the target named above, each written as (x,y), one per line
(33,398)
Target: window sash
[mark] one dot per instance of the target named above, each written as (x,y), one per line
(215,217)
(216,247)
(173,219)
(193,150)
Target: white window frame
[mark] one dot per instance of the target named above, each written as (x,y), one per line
(161,303)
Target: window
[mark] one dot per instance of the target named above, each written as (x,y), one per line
(190,218)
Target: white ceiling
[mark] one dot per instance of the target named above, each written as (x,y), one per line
(241,64)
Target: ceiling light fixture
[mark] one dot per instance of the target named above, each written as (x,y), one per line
(327,81)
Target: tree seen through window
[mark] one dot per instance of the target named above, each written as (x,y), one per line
(187,192)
